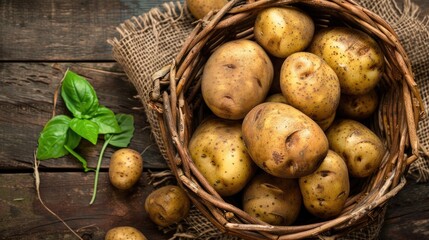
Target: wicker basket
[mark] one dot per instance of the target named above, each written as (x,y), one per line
(176,96)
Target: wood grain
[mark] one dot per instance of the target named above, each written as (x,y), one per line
(68,195)
(63,30)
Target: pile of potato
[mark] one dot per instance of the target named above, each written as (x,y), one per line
(286,129)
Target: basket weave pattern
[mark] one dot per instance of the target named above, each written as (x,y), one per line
(176,97)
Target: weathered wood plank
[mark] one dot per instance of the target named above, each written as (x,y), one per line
(23,217)
(407,215)
(67,194)
(63,30)
(26,104)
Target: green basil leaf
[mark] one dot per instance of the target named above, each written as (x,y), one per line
(106,121)
(54,136)
(123,139)
(79,96)
(85,128)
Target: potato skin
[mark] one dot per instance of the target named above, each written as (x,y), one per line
(124,233)
(361,148)
(282,31)
(276,97)
(326,190)
(310,85)
(283,141)
(358,107)
(236,77)
(355,57)
(125,169)
(274,200)
(167,205)
(218,151)
(200,8)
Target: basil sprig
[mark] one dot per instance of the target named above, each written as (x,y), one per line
(62,134)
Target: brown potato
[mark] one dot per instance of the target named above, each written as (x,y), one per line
(282,31)
(356,57)
(277,97)
(167,205)
(124,233)
(236,77)
(125,169)
(326,190)
(274,200)
(358,107)
(360,147)
(326,123)
(310,85)
(283,141)
(218,151)
(200,8)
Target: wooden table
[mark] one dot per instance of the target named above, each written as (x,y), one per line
(38,41)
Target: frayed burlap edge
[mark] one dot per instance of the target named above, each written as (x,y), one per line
(146,44)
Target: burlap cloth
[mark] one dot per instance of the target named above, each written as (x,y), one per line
(150,41)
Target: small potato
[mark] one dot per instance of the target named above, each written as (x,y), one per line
(361,148)
(356,57)
(274,200)
(276,97)
(218,151)
(236,77)
(326,123)
(125,169)
(358,107)
(124,233)
(282,31)
(200,8)
(310,85)
(283,141)
(326,190)
(167,205)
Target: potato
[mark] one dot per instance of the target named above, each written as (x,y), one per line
(125,169)
(358,107)
(282,31)
(124,233)
(326,190)
(276,97)
(355,57)
(200,8)
(310,85)
(167,205)
(326,123)
(218,150)
(283,141)
(236,77)
(360,147)
(274,200)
